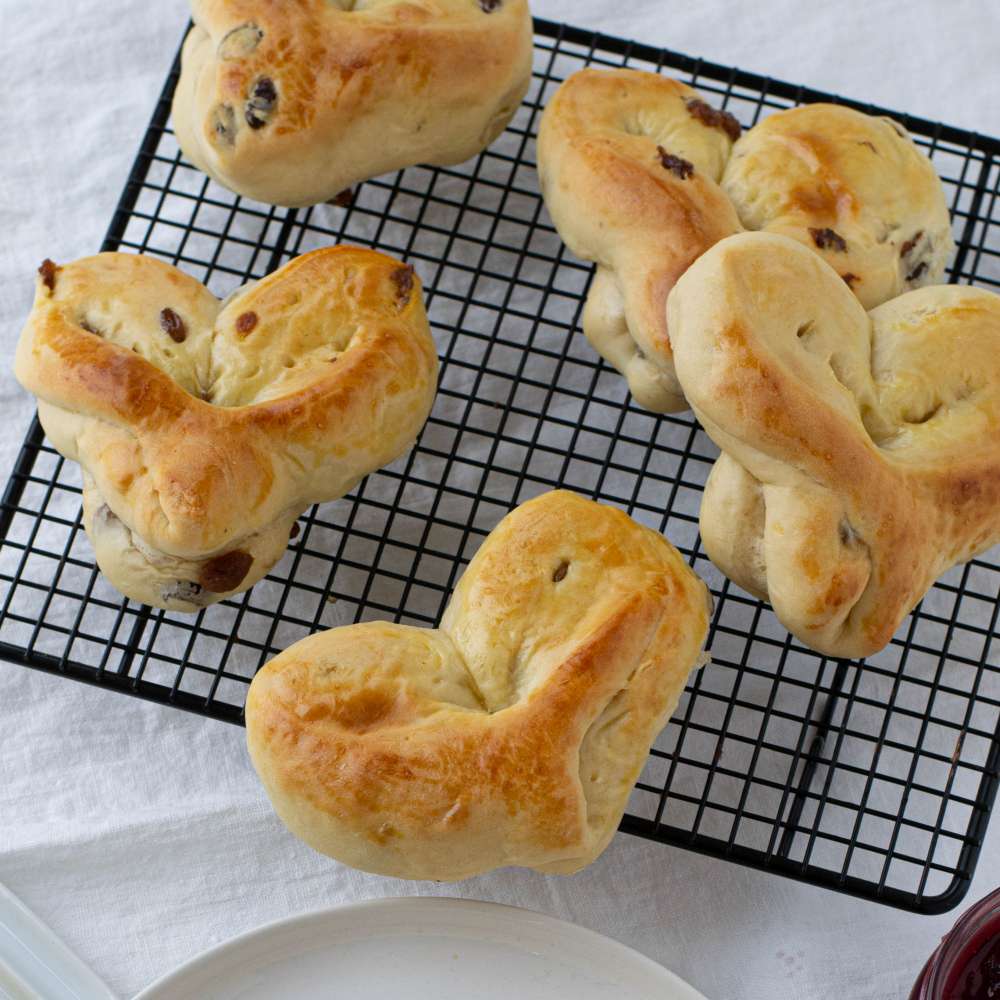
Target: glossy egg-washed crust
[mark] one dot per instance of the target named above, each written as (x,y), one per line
(642,176)
(293,101)
(860,451)
(511,735)
(205,428)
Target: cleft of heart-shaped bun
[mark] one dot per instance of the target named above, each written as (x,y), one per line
(292,103)
(860,451)
(204,428)
(641,175)
(512,734)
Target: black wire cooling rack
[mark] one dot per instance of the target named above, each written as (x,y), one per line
(875,779)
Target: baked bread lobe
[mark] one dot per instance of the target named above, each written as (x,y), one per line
(292,103)
(204,428)
(511,735)
(629,168)
(641,175)
(853,188)
(860,451)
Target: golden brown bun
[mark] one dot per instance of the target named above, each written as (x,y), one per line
(615,202)
(292,103)
(861,451)
(853,188)
(511,735)
(205,429)
(641,176)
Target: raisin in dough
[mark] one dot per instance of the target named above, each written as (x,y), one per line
(511,735)
(642,176)
(293,103)
(204,428)
(860,451)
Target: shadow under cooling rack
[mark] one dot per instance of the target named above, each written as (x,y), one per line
(873,779)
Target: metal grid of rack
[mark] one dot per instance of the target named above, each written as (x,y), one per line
(875,779)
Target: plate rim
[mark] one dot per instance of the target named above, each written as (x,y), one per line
(175,977)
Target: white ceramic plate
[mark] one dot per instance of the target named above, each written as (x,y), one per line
(421,949)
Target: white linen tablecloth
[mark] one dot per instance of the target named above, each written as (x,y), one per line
(140,834)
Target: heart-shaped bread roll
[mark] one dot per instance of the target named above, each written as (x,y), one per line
(512,734)
(861,451)
(204,428)
(292,103)
(642,176)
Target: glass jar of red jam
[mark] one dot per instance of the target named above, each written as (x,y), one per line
(966,965)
